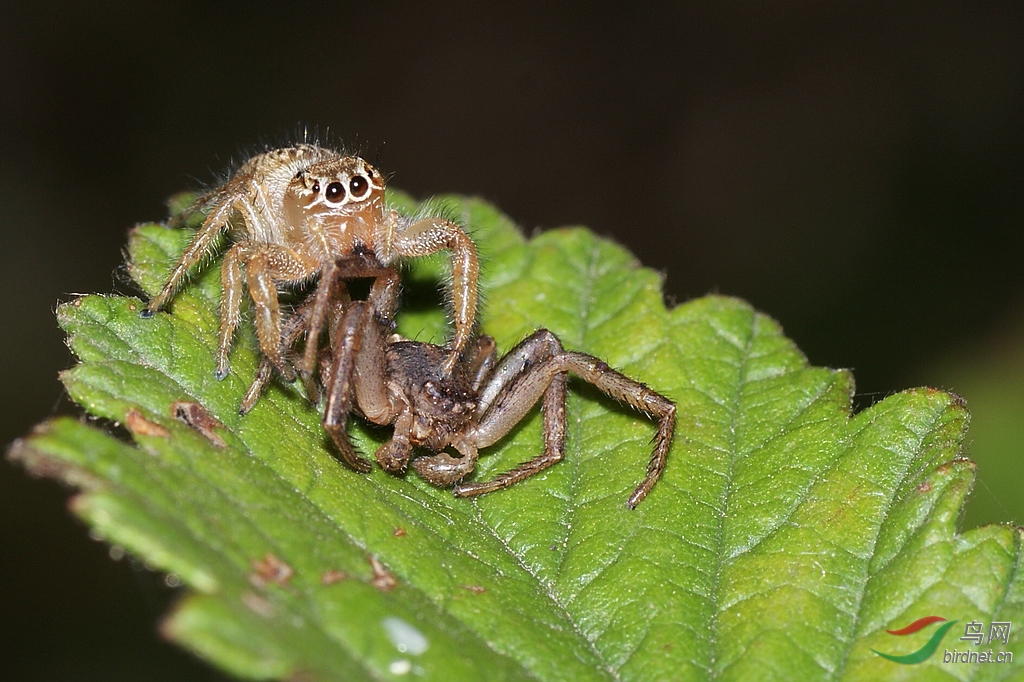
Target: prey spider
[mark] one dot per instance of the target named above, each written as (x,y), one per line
(393,381)
(291,214)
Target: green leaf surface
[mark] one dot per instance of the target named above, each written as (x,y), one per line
(785,537)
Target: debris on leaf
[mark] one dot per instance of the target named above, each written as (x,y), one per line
(332,576)
(270,569)
(140,426)
(382,579)
(196,417)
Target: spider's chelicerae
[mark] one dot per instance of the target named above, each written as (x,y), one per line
(291,214)
(393,381)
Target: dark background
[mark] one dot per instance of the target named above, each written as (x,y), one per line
(855,172)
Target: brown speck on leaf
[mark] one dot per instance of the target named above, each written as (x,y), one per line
(270,569)
(257,604)
(399,532)
(140,426)
(925,487)
(475,589)
(196,417)
(382,579)
(332,576)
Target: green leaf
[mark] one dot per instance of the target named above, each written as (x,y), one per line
(785,537)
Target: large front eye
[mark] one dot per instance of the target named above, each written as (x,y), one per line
(335,192)
(359,187)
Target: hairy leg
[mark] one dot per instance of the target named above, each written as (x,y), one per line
(404,238)
(538,367)
(200,245)
(291,329)
(383,297)
(339,389)
(266,266)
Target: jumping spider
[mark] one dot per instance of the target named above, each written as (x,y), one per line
(393,381)
(292,213)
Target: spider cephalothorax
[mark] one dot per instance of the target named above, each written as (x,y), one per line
(293,214)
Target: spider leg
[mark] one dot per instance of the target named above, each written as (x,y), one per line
(443,470)
(481,361)
(539,365)
(291,329)
(371,392)
(323,357)
(266,265)
(383,297)
(230,305)
(201,243)
(317,312)
(339,389)
(256,388)
(405,238)
(525,375)
(638,396)
(394,455)
(536,348)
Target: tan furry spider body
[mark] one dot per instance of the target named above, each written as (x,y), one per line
(291,214)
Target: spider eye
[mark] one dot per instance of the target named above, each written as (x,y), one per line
(316,187)
(359,187)
(335,192)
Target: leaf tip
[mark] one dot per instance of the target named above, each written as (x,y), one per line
(40,463)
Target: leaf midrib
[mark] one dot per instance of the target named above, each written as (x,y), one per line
(861,585)
(720,561)
(581,332)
